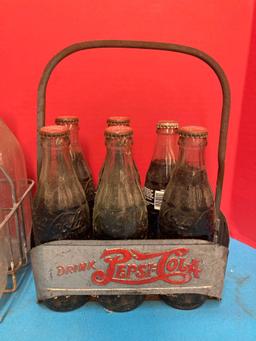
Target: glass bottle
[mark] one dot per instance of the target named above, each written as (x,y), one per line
(188,209)
(13,172)
(120,210)
(79,161)
(60,209)
(114,121)
(159,172)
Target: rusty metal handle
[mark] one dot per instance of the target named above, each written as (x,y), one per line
(149,46)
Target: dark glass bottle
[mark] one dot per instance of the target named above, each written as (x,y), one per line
(79,161)
(159,172)
(60,210)
(120,210)
(115,121)
(188,209)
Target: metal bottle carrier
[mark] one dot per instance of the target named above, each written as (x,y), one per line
(90,267)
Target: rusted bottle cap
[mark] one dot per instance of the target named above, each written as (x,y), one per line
(167,124)
(118,121)
(118,131)
(193,131)
(54,131)
(63,120)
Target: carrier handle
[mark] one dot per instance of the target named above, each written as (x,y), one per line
(148,46)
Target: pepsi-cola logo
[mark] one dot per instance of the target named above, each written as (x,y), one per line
(132,267)
(173,267)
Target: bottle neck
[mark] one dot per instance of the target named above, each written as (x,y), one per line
(192,152)
(74,134)
(56,162)
(165,146)
(118,163)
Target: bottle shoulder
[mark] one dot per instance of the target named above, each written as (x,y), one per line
(189,190)
(158,174)
(59,192)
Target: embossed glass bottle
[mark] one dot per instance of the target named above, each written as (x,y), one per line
(79,161)
(159,172)
(120,210)
(188,210)
(60,209)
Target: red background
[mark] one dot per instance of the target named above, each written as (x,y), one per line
(146,85)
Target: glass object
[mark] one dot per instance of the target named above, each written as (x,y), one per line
(13,184)
(79,161)
(114,121)
(120,210)
(159,172)
(188,209)
(60,208)
(3,258)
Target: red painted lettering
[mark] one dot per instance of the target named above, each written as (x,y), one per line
(120,272)
(82,266)
(171,266)
(91,265)
(61,270)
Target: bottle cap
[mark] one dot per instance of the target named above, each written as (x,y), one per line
(62,120)
(193,131)
(118,131)
(54,131)
(118,121)
(167,124)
